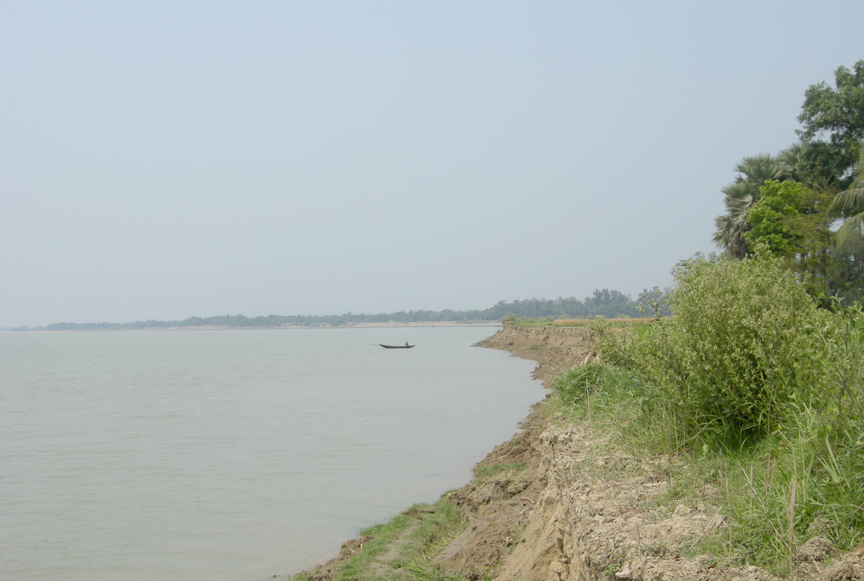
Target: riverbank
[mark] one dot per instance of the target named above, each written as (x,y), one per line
(498,504)
(565,501)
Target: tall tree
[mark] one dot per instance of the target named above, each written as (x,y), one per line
(789,158)
(740,196)
(793,222)
(833,127)
(850,203)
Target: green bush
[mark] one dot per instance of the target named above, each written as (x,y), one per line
(745,341)
(760,390)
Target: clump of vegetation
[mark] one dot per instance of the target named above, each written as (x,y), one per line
(760,390)
(791,201)
(578,383)
(610,391)
(526,322)
(745,342)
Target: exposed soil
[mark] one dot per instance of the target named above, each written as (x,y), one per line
(582,509)
(553,348)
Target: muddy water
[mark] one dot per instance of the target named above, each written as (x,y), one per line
(233,455)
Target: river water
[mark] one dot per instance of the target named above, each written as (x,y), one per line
(234,455)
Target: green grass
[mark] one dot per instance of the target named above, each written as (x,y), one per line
(384,535)
(525,322)
(769,493)
(419,533)
(621,321)
(484,473)
(429,538)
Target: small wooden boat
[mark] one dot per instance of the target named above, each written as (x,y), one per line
(405,346)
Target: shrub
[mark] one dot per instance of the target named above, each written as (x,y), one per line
(745,341)
(761,390)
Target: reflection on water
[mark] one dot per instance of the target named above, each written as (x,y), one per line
(234,455)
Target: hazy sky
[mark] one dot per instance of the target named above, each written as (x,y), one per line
(162,160)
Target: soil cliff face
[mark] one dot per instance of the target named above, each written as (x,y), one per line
(587,511)
(578,508)
(553,348)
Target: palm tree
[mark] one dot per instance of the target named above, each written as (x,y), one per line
(790,157)
(741,195)
(732,225)
(851,201)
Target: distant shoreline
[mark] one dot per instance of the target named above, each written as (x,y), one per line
(392,324)
(605,303)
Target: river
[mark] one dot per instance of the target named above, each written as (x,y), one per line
(234,455)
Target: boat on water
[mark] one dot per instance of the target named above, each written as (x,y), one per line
(405,346)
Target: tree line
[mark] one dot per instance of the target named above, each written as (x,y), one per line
(791,203)
(604,302)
